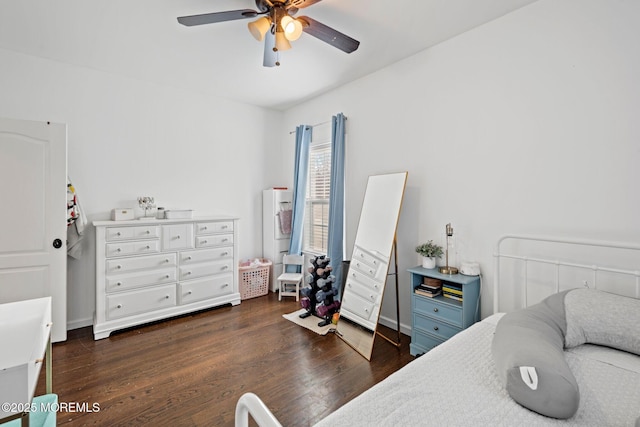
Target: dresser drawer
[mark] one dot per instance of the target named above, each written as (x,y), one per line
(428,324)
(205,255)
(133,248)
(139,279)
(425,341)
(177,236)
(125,265)
(140,301)
(214,227)
(361,307)
(364,280)
(364,268)
(441,310)
(131,233)
(363,291)
(205,269)
(196,290)
(214,240)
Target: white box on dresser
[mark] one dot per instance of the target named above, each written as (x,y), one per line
(148,270)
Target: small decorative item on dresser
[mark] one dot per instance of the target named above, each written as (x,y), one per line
(429,251)
(146,203)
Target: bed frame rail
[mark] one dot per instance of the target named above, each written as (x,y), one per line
(526,261)
(250,404)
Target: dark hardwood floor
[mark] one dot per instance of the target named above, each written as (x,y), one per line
(190,371)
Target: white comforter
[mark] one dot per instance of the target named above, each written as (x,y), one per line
(455,384)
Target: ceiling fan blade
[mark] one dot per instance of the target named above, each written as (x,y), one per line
(271,56)
(212,18)
(329,35)
(301,4)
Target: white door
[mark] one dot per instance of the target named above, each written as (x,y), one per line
(33,230)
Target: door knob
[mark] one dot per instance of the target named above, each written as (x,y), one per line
(57,243)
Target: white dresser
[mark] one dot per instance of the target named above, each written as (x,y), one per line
(275,243)
(148,270)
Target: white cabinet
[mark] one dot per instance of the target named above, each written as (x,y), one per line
(148,270)
(275,242)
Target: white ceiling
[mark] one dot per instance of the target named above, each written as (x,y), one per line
(142,39)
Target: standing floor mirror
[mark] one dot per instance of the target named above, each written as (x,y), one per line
(369,267)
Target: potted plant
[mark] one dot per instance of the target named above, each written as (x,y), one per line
(429,251)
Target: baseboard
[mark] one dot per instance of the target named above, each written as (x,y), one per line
(405,329)
(79,323)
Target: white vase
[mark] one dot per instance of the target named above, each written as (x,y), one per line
(428,262)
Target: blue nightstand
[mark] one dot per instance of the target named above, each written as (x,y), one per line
(435,320)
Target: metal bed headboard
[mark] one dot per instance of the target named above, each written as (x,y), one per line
(527,260)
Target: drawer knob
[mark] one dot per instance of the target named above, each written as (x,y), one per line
(204,241)
(119,305)
(189,293)
(118,234)
(204,228)
(188,273)
(167,276)
(224,227)
(225,285)
(366,309)
(166,260)
(435,328)
(224,267)
(148,232)
(119,284)
(178,237)
(189,258)
(118,267)
(224,254)
(166,297)
(118,250)
(435,309)
(148,247)
(225,240)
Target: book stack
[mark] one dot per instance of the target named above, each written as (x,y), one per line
(452,291)
(429,289)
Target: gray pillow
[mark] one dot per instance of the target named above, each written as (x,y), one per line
(602,318)
(528,351)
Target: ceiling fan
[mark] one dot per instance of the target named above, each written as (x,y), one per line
(277,26)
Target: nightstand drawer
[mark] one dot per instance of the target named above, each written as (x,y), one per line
(435,308)
(428,324)
(425,341)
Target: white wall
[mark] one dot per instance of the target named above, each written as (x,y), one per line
(128,138)
(527,124)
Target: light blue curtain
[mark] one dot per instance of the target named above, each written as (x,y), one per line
(300,174)
(335,244)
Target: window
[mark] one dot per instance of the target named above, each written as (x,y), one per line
(316,221)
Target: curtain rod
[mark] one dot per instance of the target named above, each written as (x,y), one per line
(317,124)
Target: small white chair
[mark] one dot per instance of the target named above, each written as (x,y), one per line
(289,283)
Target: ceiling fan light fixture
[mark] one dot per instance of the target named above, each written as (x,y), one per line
(292,28)
(259,27)
(281,41)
